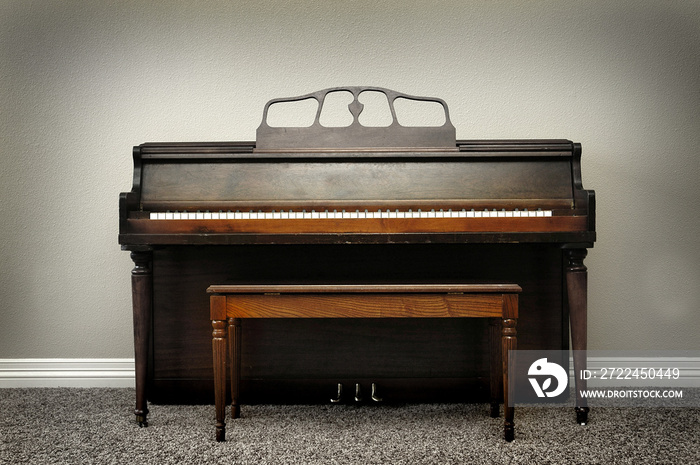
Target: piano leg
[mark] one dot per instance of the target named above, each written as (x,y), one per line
(142,299)
(577,290)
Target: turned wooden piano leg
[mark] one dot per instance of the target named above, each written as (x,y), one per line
(577,290)
(219,353)
(234,332)
(142,300)
(496,379)
(509,342)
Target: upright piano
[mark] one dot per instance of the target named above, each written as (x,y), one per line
(351,204)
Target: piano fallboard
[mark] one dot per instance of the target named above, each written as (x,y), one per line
(511,180)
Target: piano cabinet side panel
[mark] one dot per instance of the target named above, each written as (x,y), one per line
(302,352)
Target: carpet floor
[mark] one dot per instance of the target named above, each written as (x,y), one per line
(96,426)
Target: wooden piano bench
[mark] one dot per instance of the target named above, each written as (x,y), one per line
(230,303)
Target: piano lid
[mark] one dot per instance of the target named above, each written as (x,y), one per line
(317,137)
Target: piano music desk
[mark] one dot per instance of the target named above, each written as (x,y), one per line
(230,303)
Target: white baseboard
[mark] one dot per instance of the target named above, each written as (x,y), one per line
(67,372)
(119,372)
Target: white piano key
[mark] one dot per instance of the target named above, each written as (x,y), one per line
(548,213)
(500,214)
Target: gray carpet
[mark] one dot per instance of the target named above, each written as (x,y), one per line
(84,426)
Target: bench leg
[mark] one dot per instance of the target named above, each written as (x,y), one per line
(509,342)
(495,378)
(234,334)
(219,353)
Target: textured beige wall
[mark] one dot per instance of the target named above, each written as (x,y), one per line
(82,82)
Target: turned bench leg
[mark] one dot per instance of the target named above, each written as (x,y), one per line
(509,342)
(219,353)
(234,335)
(496,368)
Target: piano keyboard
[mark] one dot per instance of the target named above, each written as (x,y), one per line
(343,214)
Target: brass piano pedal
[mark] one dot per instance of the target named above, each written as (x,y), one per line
(339,396)
(374,395)
(358,393)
